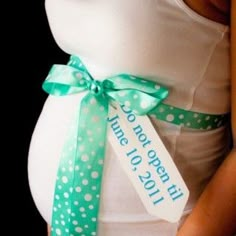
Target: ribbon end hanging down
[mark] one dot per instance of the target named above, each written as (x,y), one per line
(78,186)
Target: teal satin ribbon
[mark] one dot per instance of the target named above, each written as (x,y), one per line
(77,192)
(79,177)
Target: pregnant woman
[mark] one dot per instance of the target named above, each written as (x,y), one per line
(182,45)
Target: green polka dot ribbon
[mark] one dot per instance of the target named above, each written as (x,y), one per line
(79,177)
(189,119)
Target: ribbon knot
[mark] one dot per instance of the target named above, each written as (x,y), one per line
(95,86)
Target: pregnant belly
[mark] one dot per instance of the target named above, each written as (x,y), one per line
(193,151)
(119,201)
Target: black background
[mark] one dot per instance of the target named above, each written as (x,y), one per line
(34,51)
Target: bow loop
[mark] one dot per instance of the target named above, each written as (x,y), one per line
(134,92)
(64,80)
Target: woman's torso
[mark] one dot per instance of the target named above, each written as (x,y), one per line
(160,40)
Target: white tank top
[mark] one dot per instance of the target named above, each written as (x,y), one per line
(161,39)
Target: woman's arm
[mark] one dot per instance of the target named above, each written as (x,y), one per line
(215,212)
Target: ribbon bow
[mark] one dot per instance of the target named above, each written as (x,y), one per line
(78,185)
(132,91)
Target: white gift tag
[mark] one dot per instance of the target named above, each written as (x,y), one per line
(147,163)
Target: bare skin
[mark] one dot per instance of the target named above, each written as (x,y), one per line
(215,212)
(216,10)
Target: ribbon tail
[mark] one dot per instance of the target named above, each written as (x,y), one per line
(61,214)
(78,186)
